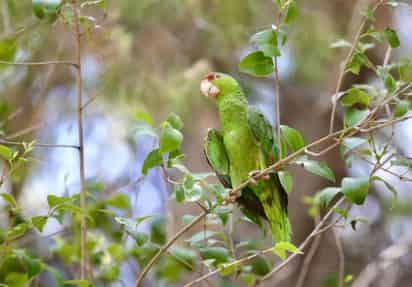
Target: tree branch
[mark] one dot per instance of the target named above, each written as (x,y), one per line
(45,63)
(343,67)
(79,104)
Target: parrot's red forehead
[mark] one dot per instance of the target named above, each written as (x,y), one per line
(209,77)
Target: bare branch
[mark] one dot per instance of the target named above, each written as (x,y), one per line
(79,104)
(341,256)
(45,63)
(309,256)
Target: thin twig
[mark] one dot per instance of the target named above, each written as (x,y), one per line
(165,247)
(89,101)
(83,223)
(277,87)
(341,256)
(45,63)
(309,256)
(25,131)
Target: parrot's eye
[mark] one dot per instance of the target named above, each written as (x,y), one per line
(217,76)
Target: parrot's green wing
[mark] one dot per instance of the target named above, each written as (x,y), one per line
(217,158)
(263,134)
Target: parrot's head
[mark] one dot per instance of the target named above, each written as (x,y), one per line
(217,85)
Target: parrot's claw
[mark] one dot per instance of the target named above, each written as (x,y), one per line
(233,195)
(254,176)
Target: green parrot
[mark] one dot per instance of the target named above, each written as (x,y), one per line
(245,145)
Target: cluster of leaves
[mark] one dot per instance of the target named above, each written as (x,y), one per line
(268,42)
(358,99)
(16,158)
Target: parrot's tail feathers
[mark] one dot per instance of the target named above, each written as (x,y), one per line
(280,228)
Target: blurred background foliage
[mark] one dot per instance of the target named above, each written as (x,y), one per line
(148,57)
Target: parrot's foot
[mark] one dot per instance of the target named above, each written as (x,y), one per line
(256,175)
(233,195)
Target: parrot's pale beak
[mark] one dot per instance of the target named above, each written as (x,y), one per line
(208,89)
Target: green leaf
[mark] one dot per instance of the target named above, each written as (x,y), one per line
(158,232)
(286,180)
(325,196)
(341,43)
(200,236)
(405,162)
(131,223)
(218,254)
(33,266)
(357,61)
(153,159)
(140,238)
(260,266)
(11,201)
(175,121)
(318,168)
(402,107)
(368,13)
(78,283)
(392,37)
(281,248)
(293,137)
(143,116)
(193,193)
(46,8)
(226,269)
(351,143)
(5,152)
(170,139)
(39,222)
(256,64)
(14,279)
(17,231)
(8,49)
(119,200)
(375,34)
(291,12)
(355,189)
(179,193)
(54,200)
(387,78)
(267,42)
(389,186)
(354,116)
(97,3)
(355,97)
(405,71)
